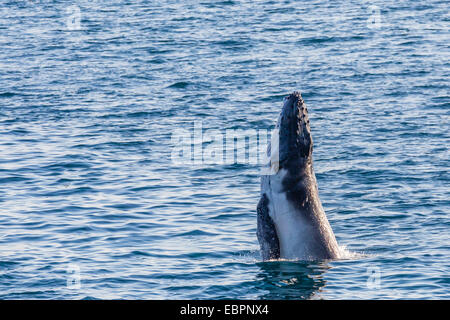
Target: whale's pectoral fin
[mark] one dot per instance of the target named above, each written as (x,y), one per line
(266,232)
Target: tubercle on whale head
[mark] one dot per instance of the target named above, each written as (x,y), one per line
(295,140)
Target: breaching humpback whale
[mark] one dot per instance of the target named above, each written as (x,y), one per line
(291,223)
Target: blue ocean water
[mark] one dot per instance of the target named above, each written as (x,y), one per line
(93,207)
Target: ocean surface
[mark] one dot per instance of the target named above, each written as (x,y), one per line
(94,95)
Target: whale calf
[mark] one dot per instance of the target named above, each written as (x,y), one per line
(291,223)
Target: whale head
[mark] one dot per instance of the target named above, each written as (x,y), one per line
(295,141)
(291,221)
